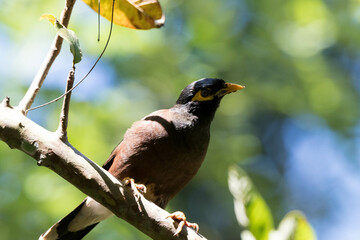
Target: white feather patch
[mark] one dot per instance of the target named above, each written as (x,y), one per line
(91,212)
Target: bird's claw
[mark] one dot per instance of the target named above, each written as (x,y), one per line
(131,182)
(180,216)
(135,187)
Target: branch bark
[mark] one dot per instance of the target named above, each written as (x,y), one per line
(50,151)
(54,51)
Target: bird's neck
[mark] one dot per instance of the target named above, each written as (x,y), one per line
(204,112)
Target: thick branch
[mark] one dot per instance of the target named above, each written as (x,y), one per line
(21,133)
(54,51)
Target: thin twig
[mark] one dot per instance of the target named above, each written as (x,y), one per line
(64,115)
(87,74)
(54,51)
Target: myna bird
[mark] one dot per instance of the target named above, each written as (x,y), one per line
(163,152)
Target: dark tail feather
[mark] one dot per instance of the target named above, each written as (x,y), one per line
(59,231)
(76,235)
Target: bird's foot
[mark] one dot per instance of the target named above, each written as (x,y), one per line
(180,217)
(131,182)
(135,187)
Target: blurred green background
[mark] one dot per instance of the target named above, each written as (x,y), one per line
(295,129)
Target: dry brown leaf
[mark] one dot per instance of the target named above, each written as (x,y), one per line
(137,14)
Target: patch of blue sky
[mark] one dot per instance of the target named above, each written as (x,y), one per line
(101,79)
(322,178)
(5,51)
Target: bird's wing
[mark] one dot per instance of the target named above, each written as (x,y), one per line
(150,128)
(142,142)
(109,161)
(159,152)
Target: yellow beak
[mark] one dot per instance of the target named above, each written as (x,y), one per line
(230,87)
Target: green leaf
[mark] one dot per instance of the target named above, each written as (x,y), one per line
(293,226)
(137,14)
(68,35)
(251,210)
(71,38)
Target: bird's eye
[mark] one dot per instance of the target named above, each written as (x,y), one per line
(205,92)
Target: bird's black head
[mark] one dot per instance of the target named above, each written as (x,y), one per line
(203,96)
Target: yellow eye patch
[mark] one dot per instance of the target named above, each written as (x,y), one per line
(203,95)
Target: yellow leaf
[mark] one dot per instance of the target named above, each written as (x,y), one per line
(137,14)
(49,17)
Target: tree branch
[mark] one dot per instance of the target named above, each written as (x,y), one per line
(64,115)
(21,133)
(54,51)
